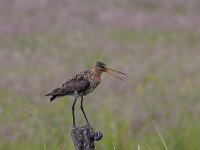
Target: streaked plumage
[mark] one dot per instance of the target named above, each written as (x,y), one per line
(81,84)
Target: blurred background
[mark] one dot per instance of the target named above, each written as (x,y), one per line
(156,42)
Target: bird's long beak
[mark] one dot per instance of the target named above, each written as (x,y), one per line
(111,72)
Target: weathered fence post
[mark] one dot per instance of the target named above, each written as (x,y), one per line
(84,137)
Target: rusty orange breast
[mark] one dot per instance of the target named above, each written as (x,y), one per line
(97,75)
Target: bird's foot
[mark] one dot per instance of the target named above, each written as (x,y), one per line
(73,127)
(88,124)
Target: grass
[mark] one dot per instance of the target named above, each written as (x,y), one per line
(160,135)
(156,43)
(32,115)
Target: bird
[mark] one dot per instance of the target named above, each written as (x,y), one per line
(81,85)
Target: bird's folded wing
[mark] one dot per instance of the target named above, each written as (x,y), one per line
(73,87)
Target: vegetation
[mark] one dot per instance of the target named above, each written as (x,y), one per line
(44,42)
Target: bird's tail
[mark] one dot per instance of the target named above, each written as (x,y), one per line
(53,94)
(53,98)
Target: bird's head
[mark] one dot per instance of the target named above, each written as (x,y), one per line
(100,67)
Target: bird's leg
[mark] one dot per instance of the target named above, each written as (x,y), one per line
(73,112)
(83,110)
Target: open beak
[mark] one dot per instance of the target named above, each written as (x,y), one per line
(112,71)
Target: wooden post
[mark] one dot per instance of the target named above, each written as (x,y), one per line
(84,137)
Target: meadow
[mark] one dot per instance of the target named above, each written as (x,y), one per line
(156,42)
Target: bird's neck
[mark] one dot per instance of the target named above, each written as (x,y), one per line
(97,75)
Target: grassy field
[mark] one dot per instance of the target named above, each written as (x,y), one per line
(156,42)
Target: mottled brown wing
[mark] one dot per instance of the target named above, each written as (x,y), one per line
(69,88)
(73,87)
